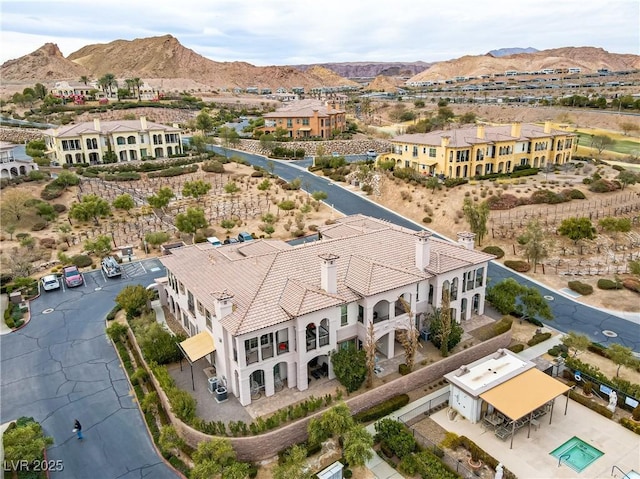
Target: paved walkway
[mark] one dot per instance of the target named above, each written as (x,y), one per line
(4,302)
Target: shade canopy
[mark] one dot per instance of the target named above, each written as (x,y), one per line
(524,393)
(198,346)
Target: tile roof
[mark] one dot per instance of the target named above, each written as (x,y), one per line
(271,282)
(304,108)
(106,127)
(468,136)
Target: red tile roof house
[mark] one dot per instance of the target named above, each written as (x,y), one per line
(273,310)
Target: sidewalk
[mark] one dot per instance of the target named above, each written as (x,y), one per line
(157,308)
(4,301)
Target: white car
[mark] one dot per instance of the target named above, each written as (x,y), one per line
(50,282)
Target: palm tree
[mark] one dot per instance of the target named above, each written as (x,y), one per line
(137,84)
(84,79)
(108,81)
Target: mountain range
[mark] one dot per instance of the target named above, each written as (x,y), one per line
(166,61)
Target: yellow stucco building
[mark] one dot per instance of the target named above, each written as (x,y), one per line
(481,149)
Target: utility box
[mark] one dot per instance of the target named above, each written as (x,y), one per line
(213,384)
(15,297)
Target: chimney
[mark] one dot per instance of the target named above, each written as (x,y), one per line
(467,240)
(96,124)
(328,273)
(423,249)
(223,304)
(480,132)
(547,127)
(143,122)
(516,129)
(444,140)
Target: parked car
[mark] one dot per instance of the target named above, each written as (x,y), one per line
(111,267)
(230,241)
(50,282)
(72,276)
(371,154)
(244,236)
(214,241)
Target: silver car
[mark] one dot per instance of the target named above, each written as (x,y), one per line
(50,282)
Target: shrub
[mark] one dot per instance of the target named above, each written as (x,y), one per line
(58,208)
(631,284)
(81,260)
(213,167)
(609,284)
(636,413)
(39,226)
(631,425)
(494,250)
(516,348)
(492,330)
(580,287)
(48,243)
(403,369)
(604,186)
(574,194)
(587,387)
(502,202)
(453,182)
(427,219)
(381,410)
(520,266)
(538,338)
(112,314)
(591,404)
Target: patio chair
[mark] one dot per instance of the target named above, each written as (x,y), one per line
(255,390)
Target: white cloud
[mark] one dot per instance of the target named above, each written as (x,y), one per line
(285,31)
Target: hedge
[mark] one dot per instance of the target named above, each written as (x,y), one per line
(494,250)
(580,287)
(519,266)
(538,338)
(516,348)
(609,284)
(81,260)
(591,404)
(630,424)
(622,385)
(491,330)
(381,410)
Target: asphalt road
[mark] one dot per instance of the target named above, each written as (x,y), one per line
(61,366)
(601,326)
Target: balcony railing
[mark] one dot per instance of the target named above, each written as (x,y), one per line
(377,318)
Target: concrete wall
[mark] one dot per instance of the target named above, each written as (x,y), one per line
(342,147)
(19,135)
(256,448)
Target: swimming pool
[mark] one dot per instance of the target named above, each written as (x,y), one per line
(576,454)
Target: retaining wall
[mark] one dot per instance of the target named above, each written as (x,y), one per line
(266,445)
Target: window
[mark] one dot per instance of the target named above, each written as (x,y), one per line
(344,320)
(479,277)
(289,123)
(190,302)
(305,121)
(415,151)
(120,140)
(454,289)
(470,280)
(432,152)
(208,320)
(430,294)
(200,307)
(181,286)
(360,314)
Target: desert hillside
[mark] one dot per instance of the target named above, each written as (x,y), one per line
(383,83)
(371,69)
(158,58)
(589,59)
(45,64)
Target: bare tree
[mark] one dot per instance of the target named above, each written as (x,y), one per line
(370,350)
(445,318)
(409,337)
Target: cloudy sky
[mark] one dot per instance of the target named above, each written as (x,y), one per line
(280,32)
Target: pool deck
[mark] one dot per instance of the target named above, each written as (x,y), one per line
(530,458)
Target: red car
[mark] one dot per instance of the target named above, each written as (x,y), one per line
(72,276)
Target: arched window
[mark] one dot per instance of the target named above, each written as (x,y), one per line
(323,333)
(120,140)
(445,288)
(131,140)
(454,289)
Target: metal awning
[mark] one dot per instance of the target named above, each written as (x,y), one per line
(524,393)
(305,128)
(198,346)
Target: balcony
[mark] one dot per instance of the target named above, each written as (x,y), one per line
(378,318)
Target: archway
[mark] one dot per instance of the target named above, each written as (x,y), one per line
(256,383)
(381,311)
(279,376)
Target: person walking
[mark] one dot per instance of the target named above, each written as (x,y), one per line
(77,428)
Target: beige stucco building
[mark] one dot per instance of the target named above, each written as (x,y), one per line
(276,312)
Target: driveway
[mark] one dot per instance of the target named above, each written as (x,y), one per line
(601,326)
(61,366)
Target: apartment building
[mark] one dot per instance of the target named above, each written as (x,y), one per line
(10,166)
(482,150)
(129,140)
(306,119)
(275,312)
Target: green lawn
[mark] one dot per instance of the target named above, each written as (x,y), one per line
(624,147)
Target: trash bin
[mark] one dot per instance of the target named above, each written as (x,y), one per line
(213,384)
(221,393)
(424,334)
